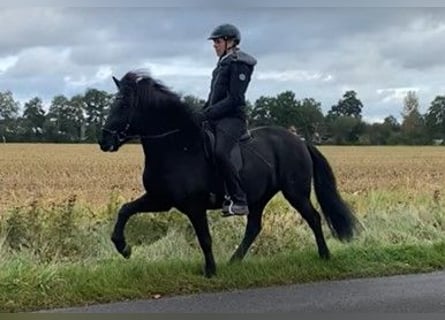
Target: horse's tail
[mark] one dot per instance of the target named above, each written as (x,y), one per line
(339,216)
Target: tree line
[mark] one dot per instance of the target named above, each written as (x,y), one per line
(343,123)
(81,117)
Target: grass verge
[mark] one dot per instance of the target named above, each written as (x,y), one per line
(61,256)
(25,286)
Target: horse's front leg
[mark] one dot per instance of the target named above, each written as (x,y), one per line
(146,203)
(198,217)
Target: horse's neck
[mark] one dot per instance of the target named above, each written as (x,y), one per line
(182,143)
(176,132)
(177,116)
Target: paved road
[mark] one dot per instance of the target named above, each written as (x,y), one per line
(409,293)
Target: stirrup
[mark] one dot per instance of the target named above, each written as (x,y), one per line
(230,209)
(226,207)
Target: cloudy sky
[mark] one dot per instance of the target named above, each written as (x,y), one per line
(318,52)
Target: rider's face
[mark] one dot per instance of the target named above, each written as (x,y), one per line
(219,45)
(222,45)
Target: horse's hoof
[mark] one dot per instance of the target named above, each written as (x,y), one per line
(126,252)
(325,255)
(235,259)
(209,274)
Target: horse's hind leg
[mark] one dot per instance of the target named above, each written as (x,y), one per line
(300,200)
(142,204)
(253,228)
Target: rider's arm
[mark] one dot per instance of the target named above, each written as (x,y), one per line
(239,80)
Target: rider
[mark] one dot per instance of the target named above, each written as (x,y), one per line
(225,109)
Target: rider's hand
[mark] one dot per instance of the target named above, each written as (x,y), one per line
(199,117)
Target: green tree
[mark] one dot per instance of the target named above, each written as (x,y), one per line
(283,109)
(64,119)
(392,126)
(33,119)
(413,127)
(435,118)
(349,106)
(309,119)
(76,118)
(382,133)
(343,121)
(8,115)
(344,129)
(259,114)
(279,110)
(55,121)
(392,123)
(96,104)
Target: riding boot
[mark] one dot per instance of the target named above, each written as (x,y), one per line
(235,202)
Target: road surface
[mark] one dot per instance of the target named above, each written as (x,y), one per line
(406,293)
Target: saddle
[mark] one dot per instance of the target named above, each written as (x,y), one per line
(235,154)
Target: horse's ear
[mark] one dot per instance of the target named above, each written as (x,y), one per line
(118,84)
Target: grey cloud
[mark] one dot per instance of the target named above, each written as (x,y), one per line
(365,49)
(420,47)
(39,26)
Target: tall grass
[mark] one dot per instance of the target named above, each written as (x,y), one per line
(62,255)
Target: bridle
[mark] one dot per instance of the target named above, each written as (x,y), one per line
(122,136)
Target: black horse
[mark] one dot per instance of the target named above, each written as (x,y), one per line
(179,174)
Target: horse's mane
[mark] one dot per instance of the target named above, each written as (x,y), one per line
(153,93)
(150,90)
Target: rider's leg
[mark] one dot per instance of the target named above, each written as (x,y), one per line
(227,133)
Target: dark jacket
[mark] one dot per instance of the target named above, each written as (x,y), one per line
(230,80)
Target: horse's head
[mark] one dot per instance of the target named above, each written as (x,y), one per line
(122,121)
(144,108)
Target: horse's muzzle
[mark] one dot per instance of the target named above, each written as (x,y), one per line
(108,148)
(108,142)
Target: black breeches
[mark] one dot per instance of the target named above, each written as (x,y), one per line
(227,134)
